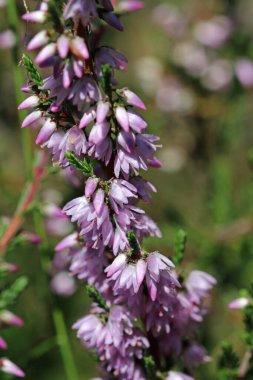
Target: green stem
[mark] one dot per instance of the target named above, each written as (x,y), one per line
(58,318)
(63,342)
(13,21)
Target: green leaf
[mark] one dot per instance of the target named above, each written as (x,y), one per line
(84,165)
(31,70)
(9,295)
(96,297)
(179,246)
(106,79)
(150,366)
(134,245)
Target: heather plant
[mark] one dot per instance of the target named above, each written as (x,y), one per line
(144,318)
(147,308)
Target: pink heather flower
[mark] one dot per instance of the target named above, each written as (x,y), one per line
(56,222)
(194,355)
(99,200)
(31,102)
(63,46)
(31,237)
(88,117)
(46,131)
(136,122)
(144,226)
(239,303)
(159,315)
(10,319)
(112,20)
(244,72)
(131,98)
(126,276)
(192,57)
(99,133)
(199,284)
(106,55)
(84,10)
(9,267)
(73,140)
(31,119)
(93,219)
(84,91)
(122,118)
(68,242)
(218,75)
(157,265)
(129,5)
(89,329)
(88,264)
(143,188)
(35,16)
(54,85)
(53,144)
(171,19)
(214,32)
(7,39)
(129,275)
(63,284)
(26,88)
(9,367)
(39,40)
(102,151)
(140,157)
(79,48)
(77,209)
(119,194)
(178,376)
(90,186)
(45,54)
(126,141)
(103,108)
(67,74)
(3,344)
(190,310)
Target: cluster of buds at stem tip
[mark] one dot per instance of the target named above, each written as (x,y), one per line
(95,133)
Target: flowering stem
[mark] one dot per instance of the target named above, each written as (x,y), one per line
(13,20)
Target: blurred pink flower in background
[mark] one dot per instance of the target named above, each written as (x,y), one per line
(244,71)
(7,39)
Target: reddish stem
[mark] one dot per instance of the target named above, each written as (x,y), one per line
(26,200)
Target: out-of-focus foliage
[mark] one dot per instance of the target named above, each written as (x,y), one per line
(204,187)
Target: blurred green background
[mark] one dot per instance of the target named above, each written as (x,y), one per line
(205,186)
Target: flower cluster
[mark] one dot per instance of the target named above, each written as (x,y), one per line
(142,311)
(117,342)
